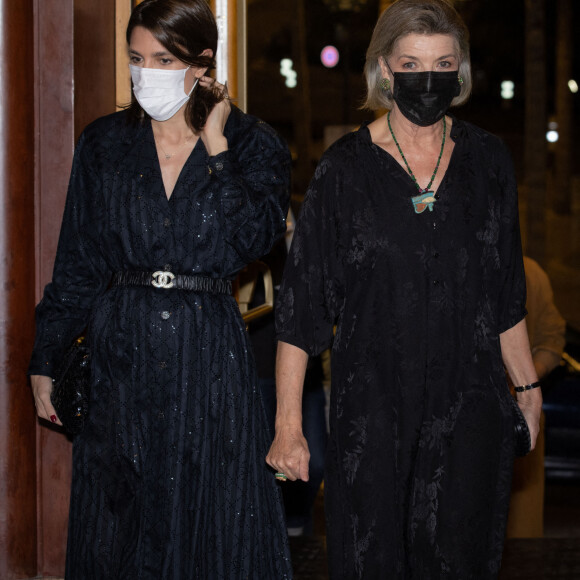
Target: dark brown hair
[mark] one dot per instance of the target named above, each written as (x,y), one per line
(185,28)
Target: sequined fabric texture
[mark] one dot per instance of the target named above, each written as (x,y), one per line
(421,446)
(170,479)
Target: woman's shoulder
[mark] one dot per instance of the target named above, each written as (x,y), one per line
(347,150)
(110,129)
(487,151)
(119,122)
(339,166)
(350,143)
(244,131)
(478,137)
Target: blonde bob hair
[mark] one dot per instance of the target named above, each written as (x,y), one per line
(414,17)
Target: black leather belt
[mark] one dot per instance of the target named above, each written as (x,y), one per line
(168,280)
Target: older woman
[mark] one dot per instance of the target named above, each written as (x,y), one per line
(167,202)
(408,247)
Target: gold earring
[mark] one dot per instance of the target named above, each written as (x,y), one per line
(460,79)
(385,84)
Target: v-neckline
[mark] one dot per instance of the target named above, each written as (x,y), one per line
(182,172)
(403,172)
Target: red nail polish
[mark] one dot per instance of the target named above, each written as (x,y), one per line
(53,418)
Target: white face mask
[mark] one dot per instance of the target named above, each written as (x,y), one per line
(160,92)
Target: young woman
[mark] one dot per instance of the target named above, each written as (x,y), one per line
(168,200)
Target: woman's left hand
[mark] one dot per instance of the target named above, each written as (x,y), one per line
(212,134)
(515,350)
(530,403)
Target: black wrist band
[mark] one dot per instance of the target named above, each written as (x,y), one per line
(527,387)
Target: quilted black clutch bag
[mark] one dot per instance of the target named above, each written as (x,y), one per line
(70,392)
(521,431)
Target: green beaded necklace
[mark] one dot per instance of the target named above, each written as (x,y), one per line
(425,199)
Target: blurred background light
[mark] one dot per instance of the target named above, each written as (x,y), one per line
(288,73)
(329,56)
(507,89)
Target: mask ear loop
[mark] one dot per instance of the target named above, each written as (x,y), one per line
(194,84)
(389,89)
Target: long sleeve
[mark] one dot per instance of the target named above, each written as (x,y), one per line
(252,185)
(80,272)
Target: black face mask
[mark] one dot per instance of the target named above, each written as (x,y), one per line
(424,97)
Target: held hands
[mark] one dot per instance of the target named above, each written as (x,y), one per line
(41,389)
(289,454)
(212,134)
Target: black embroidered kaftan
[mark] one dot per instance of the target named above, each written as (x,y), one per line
(170,480)
(420,454)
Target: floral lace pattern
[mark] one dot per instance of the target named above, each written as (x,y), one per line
(421,448)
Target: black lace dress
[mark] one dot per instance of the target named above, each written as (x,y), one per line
(420,455)
(170,480)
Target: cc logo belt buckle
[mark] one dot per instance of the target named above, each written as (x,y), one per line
(162,279)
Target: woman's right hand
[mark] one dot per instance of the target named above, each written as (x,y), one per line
(41,389)
(289,454)
(212,134)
